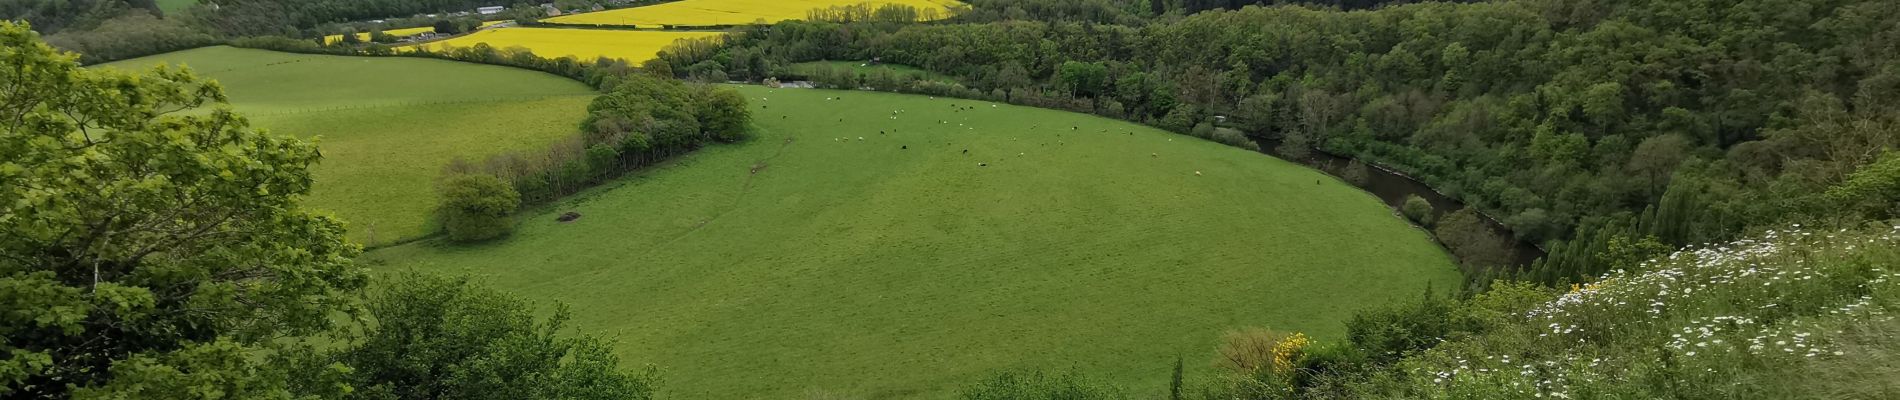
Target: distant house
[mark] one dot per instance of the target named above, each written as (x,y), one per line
(492,10)
(551,10)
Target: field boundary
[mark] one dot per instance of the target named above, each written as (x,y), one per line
(368,106)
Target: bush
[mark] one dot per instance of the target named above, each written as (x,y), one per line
(1471,240)
(1261,363)
(1387,334)
(1418,210)
(1357,173)
(477,207)
(448,338)
(724,115)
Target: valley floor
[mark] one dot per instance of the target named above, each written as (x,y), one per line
(883,245)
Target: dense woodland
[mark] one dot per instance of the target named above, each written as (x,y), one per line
(1592,129)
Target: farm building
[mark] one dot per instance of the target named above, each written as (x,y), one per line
(490,10)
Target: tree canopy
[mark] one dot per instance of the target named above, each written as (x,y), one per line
(144,249)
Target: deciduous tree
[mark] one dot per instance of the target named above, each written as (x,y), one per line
(145,251)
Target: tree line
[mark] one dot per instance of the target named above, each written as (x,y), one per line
(1577,126)
(153,246)
(640,121)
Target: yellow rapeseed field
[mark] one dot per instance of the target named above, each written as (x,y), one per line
(728,12)
(364,36)
(633,46)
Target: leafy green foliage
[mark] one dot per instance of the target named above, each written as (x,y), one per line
(724,115)
(639,121)
(1872,192)
(1418,210)
(144,249)
(478,207)
(434,338)
(1468,237)
(1387,334)
(131,35)
(1572,123)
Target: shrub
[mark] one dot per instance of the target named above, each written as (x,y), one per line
(1418,210)
(1261,363)
(1466,235)
(477,207)
(1357,173)
(1387,334)
(724,115)
(440,337)
(1296,146)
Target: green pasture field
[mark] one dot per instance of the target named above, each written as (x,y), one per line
(387,125)
(870,245)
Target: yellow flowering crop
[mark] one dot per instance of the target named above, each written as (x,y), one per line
(364,36)
(729,12)
(585,44)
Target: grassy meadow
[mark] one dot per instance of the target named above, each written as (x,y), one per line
(726,12)
(387,125)
(877,245)
(633,46)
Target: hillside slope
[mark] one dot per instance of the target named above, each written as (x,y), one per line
(894,246)
(387,125)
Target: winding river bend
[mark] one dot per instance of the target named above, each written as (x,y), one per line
(1393,188)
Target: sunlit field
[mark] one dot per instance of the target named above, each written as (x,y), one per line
(877,246)
(364,36)
(729,12)
(633,46)
(387,125)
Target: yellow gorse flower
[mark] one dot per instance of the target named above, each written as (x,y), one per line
(1289,351)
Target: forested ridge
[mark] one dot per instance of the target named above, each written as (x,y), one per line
(1591,128)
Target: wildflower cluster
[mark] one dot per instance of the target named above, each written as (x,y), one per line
(1694,316)
(1287,353)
